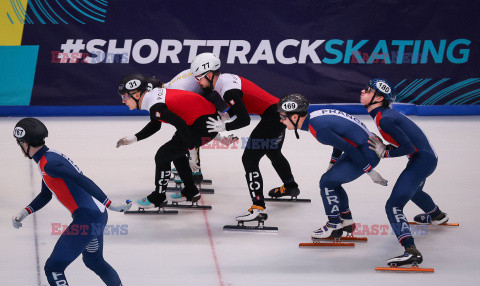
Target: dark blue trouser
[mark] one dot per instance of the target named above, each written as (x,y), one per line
(83,236)
(345,170)
(409,186)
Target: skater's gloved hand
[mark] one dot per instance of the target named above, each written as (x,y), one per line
(215,125)
(377,146)
(120,207)
(193,160)
(17,220)
(226,140)
(127,140)
(377,178)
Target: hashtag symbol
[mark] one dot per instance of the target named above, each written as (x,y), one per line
(72,47)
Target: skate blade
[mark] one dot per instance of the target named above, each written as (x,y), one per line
(201,190)
(153,212)
(444,224)
(204,182)
(250,228)
(326,244)
(404,269)
(344,238)
(189,206)
(291,200)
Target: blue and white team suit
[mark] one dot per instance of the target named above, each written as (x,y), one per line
(406,138)
(351,156)
(87,203)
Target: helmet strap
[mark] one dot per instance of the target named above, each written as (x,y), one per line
(136,100)
(295,125)
(372,102)
(210,80)
(26,152)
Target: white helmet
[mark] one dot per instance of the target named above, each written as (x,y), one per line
(204,63)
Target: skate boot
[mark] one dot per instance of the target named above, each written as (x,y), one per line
(334,230)
(197,177)
(254,213)
(284,191)
(183,196)
(428,219)
(411,256)
(348,225)
(144,203)
(159,200)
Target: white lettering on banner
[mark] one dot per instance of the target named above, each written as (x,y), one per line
(217,46)
(281,47)
(165,51)
(301,51)
(137,48)
(99,54)
(309,50)
(113,50)
(263,53)
(238,49)
(194,44)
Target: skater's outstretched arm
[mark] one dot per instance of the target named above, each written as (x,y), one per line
(233,98)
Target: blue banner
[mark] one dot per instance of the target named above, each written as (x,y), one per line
(326,50)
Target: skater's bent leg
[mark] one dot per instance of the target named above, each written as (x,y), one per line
(330,198)
(68,247)
(93,259)
(333,194)
(251,159)
(279,162)
(425,203)
(402,192)
(184,171)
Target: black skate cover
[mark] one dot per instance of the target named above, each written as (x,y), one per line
(189,205)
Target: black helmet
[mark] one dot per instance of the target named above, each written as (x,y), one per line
(153,82)
(132,82)
(291,104)
(31,131)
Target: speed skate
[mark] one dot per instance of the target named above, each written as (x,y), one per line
(347,226)
(149,209)
(255,214)
(283,194)
(153,211)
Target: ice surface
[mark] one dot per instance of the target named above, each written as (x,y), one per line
(192,249)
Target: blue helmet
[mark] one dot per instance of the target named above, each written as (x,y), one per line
(385,88)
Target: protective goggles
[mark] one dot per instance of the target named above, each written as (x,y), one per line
(128,95)
(199,77)
(368,89)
